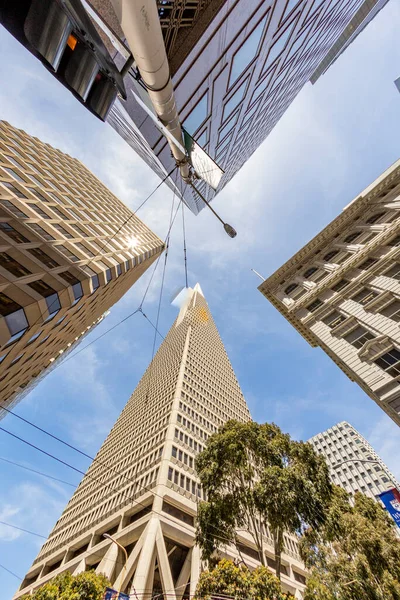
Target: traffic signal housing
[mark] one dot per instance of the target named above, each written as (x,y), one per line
(62,36)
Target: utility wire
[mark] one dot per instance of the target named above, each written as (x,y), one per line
(184,245)
(24,530)
(11,572)
(37,472)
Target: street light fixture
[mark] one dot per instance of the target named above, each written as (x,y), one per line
(108,537)
(228,228)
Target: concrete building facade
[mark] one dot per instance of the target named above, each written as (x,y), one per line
(65,257)
(364,15)
(142,487)
(236,67)
(352,461)
(342,291)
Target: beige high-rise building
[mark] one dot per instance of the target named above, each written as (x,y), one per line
(352,461)
(142,488)
(342,290)
(69,249)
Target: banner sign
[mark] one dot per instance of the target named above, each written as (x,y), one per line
(111,594)
(391,500)
(205,167)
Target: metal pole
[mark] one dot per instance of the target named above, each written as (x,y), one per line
(228,228)
(106,535)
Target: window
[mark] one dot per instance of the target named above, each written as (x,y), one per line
(38,195)
(37,229)
(290,288)
(394,241)
(314,305)
(52,299)
(358,337)
(62,230)
(13,233)
(364,296)
(39,210)
(67,252)
(196,116)
(79,230)
(13,266)
(393,272)
(174,451)
(367,264)
(108,275)
(328,257)
(13,189)
(340,285)
(58,212)
(350,238)
(234,100)
(392,311)
(334,319)
(13,209)
(375,218)
(243,57)
(83,249)
(95,282)
(310,272)
(33,338)
(278,46)
(14,174)
(390,362)
(43,257)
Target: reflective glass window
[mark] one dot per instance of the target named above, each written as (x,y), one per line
(246,52)
(197,116)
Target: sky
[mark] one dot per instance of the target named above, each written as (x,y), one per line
(332,142)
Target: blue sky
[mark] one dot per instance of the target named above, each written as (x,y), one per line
(333,141)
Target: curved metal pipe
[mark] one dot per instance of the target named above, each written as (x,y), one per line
(141,25)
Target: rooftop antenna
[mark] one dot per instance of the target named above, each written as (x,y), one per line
(258,274)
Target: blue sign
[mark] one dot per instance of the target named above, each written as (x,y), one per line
(110,594)
(391,500)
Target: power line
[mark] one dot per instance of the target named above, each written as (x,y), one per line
(11,572)
(24,530)
(184,245)
(37,472)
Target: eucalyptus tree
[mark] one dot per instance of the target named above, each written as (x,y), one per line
(255,477)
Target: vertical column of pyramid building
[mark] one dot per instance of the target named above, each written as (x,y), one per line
(142,488)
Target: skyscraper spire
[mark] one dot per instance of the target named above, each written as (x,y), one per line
(142,488)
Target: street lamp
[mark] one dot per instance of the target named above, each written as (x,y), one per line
(108,537)
(228,228)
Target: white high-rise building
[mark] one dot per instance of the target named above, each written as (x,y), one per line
(142,488)
(352,461)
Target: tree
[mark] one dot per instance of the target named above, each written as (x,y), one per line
(239,583)
(355,555)
(85,586)
(255,477)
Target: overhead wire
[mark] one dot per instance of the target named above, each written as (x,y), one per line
(11,462)
(184,245)
(11,572)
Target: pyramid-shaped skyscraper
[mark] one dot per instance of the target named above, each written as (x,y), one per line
(142,488)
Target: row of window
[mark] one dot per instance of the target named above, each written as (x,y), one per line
(183,481)
(189,441)
(364,266)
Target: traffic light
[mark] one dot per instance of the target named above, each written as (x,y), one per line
(62,36)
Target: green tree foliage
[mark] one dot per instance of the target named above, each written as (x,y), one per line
(355,555)
(85,586)
(239,583)
(254,475)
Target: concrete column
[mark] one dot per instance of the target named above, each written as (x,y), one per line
(108,561)
(80,567)
(195,570)
(146,556)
